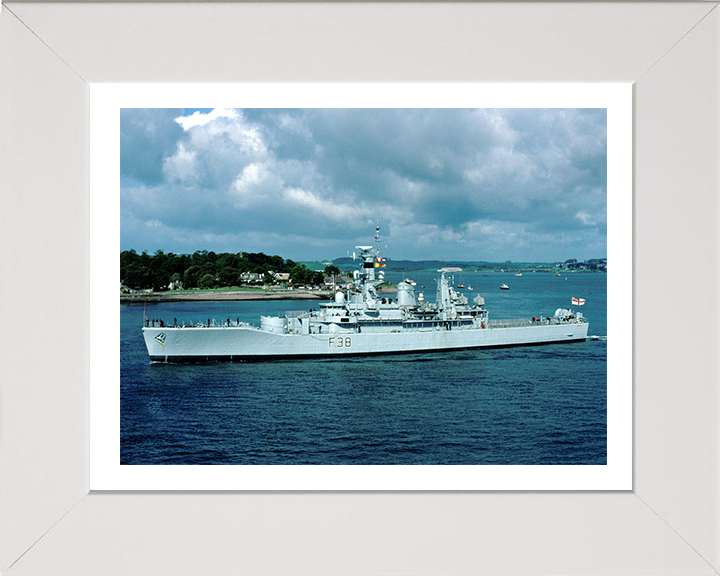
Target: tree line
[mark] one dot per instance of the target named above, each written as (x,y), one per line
(205,269)
(594,264)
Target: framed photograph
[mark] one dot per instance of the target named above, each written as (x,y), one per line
(444,173)
(63,513)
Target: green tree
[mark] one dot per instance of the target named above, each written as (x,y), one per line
(161,280)
(332,270)
(142,277)
(300,274)
(139,277)
(127,258)
(200,257)
(226,260)
(277,264)
(207,281)
(191,277)
(228,276)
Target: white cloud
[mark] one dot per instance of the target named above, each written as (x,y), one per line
(585,218)
(200,119)
(255,184)
(228,135)
(180,167)
(324,208)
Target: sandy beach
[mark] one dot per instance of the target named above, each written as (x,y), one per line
(229,295)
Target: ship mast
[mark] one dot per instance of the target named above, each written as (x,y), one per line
(371,260)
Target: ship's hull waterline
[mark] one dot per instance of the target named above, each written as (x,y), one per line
(236,344)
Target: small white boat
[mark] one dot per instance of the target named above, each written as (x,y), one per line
(504,287)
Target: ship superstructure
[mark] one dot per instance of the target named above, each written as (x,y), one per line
(361,321)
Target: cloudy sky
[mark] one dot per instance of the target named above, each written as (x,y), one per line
(311,184)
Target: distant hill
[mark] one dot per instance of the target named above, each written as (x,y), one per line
(413,266)
(595,265)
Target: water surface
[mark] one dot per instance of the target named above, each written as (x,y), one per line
(523,405)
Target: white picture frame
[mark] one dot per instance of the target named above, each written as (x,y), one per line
(667,524)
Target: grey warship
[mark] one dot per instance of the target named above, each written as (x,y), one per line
(358,321)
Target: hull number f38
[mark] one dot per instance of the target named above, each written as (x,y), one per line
(339,342)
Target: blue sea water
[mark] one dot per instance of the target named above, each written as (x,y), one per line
(524,405)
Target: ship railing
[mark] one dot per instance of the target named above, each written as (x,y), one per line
(297,314)
(212,323)
(510,323)
(217,323)
(552,320)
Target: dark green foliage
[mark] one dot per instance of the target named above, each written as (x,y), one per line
(191,277)
(207,281)
(205,269)
(228,276)
(261,263)
(300,274)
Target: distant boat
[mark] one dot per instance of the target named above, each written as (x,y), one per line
(461,285)
(504,287)
(518,274)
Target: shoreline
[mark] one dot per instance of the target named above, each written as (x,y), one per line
(229,296)
(232,296)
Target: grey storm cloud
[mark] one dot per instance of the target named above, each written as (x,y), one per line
(470,184)
(147,137)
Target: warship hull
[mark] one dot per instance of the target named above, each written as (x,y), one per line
(236,344)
